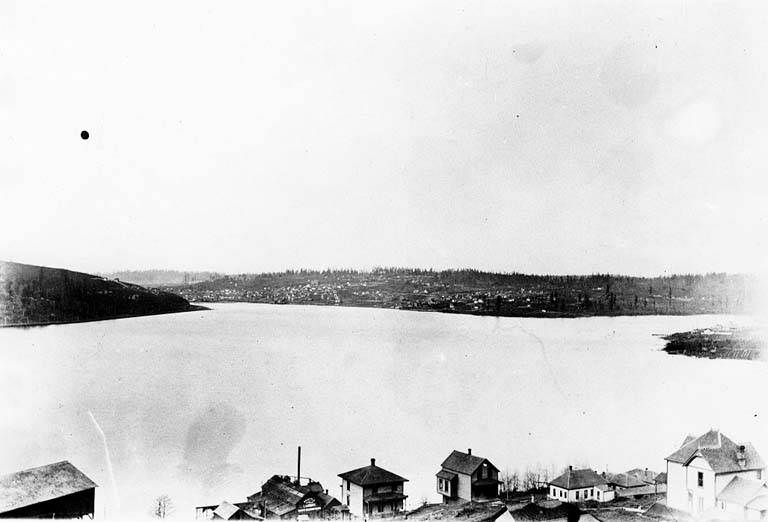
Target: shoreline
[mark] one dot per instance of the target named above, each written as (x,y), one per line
(192,308)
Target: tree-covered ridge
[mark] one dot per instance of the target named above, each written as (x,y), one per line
(38,295)
(491,293)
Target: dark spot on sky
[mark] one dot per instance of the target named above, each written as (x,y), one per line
(84,134)
(210,439)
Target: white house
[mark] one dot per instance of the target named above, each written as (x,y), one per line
(371,492)
(464,477)
(580,485)
(707,472)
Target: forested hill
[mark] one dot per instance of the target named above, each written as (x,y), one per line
(485,293)
(155,278)
(31,295)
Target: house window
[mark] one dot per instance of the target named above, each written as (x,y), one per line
(701,479)
(485,470)
(592,492)
(577,495)
(347,499)
(347,485)
(381,508)
(598,495)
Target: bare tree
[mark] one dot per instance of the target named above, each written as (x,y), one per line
(508,480)
(530,478)
(162,507)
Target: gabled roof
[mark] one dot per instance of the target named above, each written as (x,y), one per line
(465,463)
(743,492)
(40,484)
(225,510)
(446,475)
(280,495)
(661,478)
(578,478)
(370,475)
(720,452)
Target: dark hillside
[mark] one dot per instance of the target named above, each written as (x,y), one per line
(485,293)
(33,295)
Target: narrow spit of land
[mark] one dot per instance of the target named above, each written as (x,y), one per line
(718,343)
(485,293)
(34,296)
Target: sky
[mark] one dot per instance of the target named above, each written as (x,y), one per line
(560,137)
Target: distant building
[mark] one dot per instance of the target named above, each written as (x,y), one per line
(281,497)
(465,477)
(705,467)
(58,490)
(624,482)
(645,475)
(372,491)
(227,511)
(579,485)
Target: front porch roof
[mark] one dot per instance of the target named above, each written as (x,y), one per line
(384,497)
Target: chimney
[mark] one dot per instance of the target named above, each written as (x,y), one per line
(373,462)
(298,468)
(570,468)
(469,451)
(326,491)
(741,456)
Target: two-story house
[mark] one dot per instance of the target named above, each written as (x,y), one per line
(372,491)
(700,472)
(465,477)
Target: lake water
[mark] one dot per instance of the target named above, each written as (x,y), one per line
(207,405)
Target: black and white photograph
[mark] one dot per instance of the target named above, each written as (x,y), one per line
(458,260)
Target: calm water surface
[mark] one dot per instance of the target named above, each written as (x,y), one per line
(207,405)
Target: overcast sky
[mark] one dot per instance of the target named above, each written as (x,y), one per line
(624,137)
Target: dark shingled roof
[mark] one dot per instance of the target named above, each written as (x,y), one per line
(447,475)
(464,462)
(661,478)
(720,452)
(370,475)
(35,485)
(578,478)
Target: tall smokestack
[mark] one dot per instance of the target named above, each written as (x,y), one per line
(298,468)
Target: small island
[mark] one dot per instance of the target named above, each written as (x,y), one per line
(717,343)
(34,295)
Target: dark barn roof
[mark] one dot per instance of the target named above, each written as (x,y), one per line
(720,452)
(578,478)
(465,463)
(370,475)
(35,485)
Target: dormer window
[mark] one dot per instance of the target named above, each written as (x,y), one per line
(701,479)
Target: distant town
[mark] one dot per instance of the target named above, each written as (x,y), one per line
(470,291)
(708,477)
